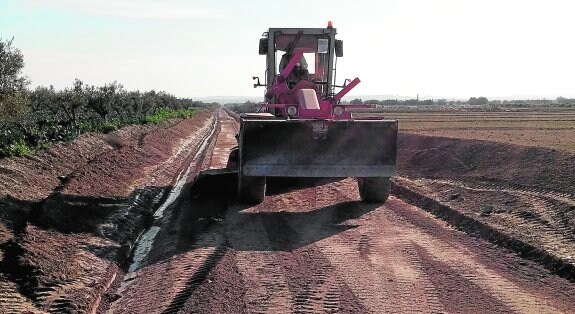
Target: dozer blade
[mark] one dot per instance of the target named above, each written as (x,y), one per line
(273,147)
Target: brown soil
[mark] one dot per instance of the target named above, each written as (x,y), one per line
(549,129)
(547,138)
(70,213)
(311,247)
(439,157)
(525,193)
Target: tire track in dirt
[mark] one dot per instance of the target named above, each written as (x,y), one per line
(546,211)
(522,286)
(509,187)
(266,285)
(405,264)
(165,286)
(12,301)
(312,284)
(392,275)
(331,294)
(464,263)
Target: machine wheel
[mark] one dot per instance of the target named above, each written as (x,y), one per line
(251,190)
(233,159)
(374,189)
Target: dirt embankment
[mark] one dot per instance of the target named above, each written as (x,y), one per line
(518,196)
(69,215)
(439,157)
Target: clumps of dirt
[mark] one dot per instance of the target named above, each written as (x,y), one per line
(25,182)
(439,157)
(116,141)
(114,195)
(518,197)
(48,265)
(33,178)
(70,214)
(485,230)
(118,172)
(110,174)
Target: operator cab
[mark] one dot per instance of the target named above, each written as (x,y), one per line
(313,65)
(316,66)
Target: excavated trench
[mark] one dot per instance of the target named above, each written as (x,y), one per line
(89,231)
(146,239)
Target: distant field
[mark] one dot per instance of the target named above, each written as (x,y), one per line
(542,129)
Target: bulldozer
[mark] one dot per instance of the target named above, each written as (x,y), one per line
(303,129)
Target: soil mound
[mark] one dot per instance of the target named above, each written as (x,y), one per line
(440,157)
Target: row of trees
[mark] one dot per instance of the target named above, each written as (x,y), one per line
(474,101)
(105,103)
(417,102)
(31,119)
(34,119)
(248,106)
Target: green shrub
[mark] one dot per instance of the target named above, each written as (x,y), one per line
(18,149)
(108,127)
(163,114)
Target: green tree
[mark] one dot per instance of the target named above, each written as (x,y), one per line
(72,101)
(564,101)
(427,102)
(411,102)
(104,99)
(42,98)
(441,102)
(390,102)
(13,97)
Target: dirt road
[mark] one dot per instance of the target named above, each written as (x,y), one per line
(312,247)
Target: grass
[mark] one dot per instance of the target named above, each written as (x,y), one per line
(19,149)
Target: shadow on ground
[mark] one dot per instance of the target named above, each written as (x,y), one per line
(217,207)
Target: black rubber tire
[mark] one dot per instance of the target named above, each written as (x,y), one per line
(251,190)
(374,189)
(233,159)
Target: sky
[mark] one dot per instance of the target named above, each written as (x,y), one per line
(189,48)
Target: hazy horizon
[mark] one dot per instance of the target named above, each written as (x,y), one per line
(453,49)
